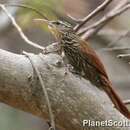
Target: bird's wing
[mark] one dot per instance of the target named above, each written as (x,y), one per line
(92,58)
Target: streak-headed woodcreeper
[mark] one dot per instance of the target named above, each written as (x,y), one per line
(85,60)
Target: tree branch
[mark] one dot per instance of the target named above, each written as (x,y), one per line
(73,99)
(87,32)
(92,14)
(19,29)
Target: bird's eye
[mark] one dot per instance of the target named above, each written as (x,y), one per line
(57,23)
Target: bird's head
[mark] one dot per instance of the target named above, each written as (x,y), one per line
(58,28)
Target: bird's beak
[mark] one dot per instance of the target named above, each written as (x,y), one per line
(45,21)
(50,25)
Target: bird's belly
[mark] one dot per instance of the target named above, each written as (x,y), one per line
(73,59)
(82,66)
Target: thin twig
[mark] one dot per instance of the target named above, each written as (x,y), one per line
(118,39)
(121,4)
(20,30)
(94,28)
(28,55)
(105,19)
(92,14)
(109,46)
(110,32)
(123,55)
(27,7)
(115,49)
(74,19)
(127,102)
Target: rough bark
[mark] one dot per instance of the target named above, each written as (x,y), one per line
(73,99)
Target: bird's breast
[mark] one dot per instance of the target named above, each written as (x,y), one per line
(73,56)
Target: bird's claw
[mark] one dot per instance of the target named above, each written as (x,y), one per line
(69,68)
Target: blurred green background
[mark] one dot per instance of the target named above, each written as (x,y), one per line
(118,70)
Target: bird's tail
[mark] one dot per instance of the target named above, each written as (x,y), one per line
(116,99)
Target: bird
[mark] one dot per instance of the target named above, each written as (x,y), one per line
(85,60)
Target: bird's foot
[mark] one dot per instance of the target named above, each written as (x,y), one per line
(70,68)
(50,127)
(76,73)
